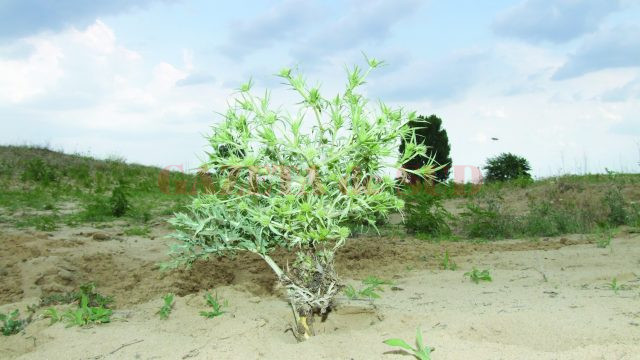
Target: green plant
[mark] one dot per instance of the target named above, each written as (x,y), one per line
(616,206)
(296,180)
(216,306)
(613,285)
(634,215)
(118,200)
(11,323)
(94,298)
(41,222)
(421,351)
(92,306)
(506,166)
(351,292)
(488,221)
(86,314)
(96,208)
(429,131)
(546,219)
(137,231)
(371,284)
(38,170)
(603,238)
(167,307)
(447,262)
(476,275)
(425,213)
(52,313)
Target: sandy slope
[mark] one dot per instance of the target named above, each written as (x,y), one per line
(548,300)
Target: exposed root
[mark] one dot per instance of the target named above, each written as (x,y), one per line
(311,285)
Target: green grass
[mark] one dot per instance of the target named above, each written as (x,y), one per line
(447,262)
(35,182)
(138,231)
(567,205)
(39,222)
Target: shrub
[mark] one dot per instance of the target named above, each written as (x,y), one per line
(488,221)
(616,206)
(39,171)
(544,219)
(118,201)
(634,217)
(425,214)
(98,208)
(506,166)
(279,184)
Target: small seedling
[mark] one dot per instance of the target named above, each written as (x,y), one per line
(604,239)
(11,323)
(216,306)
(476,275)
(86,314)
(613,285)
(420,352)
(94,298)
(372,286)
(165,310)
(52,314)
(351,292)
(447,262)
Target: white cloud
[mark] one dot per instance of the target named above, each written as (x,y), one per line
(616,47)
(22,18)
(87,82)
(553,20)
(22,79)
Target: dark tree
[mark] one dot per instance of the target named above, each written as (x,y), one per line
(506,166)
(429,131)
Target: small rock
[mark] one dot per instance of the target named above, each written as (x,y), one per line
(53,288)
(100,237)
(66,275)
(255,299)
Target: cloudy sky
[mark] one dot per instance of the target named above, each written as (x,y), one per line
(555,81)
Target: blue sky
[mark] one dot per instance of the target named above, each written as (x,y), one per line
(556,81)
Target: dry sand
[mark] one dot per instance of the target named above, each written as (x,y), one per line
(549,299)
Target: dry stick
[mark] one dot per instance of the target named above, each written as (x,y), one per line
(125,345)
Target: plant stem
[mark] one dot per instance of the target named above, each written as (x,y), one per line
(281,275)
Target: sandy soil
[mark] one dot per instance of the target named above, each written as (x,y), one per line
(549,300)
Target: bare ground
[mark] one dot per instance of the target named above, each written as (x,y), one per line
(549,300)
